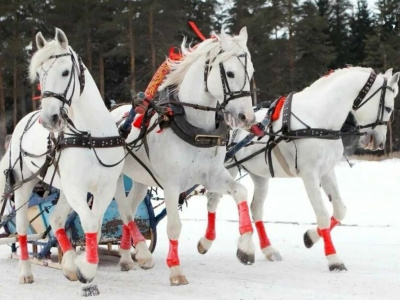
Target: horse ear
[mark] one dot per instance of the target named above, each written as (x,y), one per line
(243,34)
(389,72)
(395,79)
(226,41)
(40,41)
(61,38)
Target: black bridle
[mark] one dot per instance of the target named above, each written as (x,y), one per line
(360,100)
(74,68)
(228,93)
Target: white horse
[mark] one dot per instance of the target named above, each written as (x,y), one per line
(211,78)
(86,146)
(324,105)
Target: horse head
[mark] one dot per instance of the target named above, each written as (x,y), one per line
(230,83)
(60,73)
(373,113)
(215,73)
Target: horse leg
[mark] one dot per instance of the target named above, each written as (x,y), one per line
(257,206)
(223,183)
(77,198)
(127,207)
(330,187)
(206,241)
(323,222)
(57,221)
(22,196)
(174,226)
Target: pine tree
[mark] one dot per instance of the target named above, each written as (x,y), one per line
(361,28)
(339,31)
(312,52)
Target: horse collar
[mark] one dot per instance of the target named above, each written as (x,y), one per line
(196,136)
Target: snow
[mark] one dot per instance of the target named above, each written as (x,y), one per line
(368,243)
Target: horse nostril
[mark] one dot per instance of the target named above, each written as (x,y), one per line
(242,117)
(54,119)
(381,146)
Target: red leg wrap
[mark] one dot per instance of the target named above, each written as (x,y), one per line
(244,218)
(126,238)
(23,247)
(92,256)
(264,241)
(135,233)
(334,222)
(328,245)
(173,258)
(210,233)
(63,240)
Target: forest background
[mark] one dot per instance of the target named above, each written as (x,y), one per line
(122,43)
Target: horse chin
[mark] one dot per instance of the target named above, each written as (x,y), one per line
(54,127)
(370,142)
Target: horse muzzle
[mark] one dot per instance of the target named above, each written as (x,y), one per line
(241,120)
(370,141)
(53,123)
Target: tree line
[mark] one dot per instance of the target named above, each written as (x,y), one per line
(122,42)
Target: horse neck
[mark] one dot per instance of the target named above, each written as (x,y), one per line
(89,112)
(192,90)
(332,102)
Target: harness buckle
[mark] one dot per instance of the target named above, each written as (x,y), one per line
(205,139)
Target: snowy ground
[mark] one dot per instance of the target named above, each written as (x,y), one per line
(369,245)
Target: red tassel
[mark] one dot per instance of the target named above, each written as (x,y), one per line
(196,30)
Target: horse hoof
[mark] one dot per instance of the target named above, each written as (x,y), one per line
(244,258)
(337,267)
(274,257)
(26,279)
(307,240)
(146,265)
(201,249)
(82,277)
(89,291)
(126,266)
(178,280)
(71,276)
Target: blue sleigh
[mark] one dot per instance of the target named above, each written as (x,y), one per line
(40,209)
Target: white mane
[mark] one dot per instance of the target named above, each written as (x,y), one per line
(212,47)
(339,72)
(41,55)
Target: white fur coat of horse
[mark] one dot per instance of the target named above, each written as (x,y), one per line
(325,104)
(79,170)
(177,165)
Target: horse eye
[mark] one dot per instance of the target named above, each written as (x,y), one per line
(65,73)
(230,74)
(388,109)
